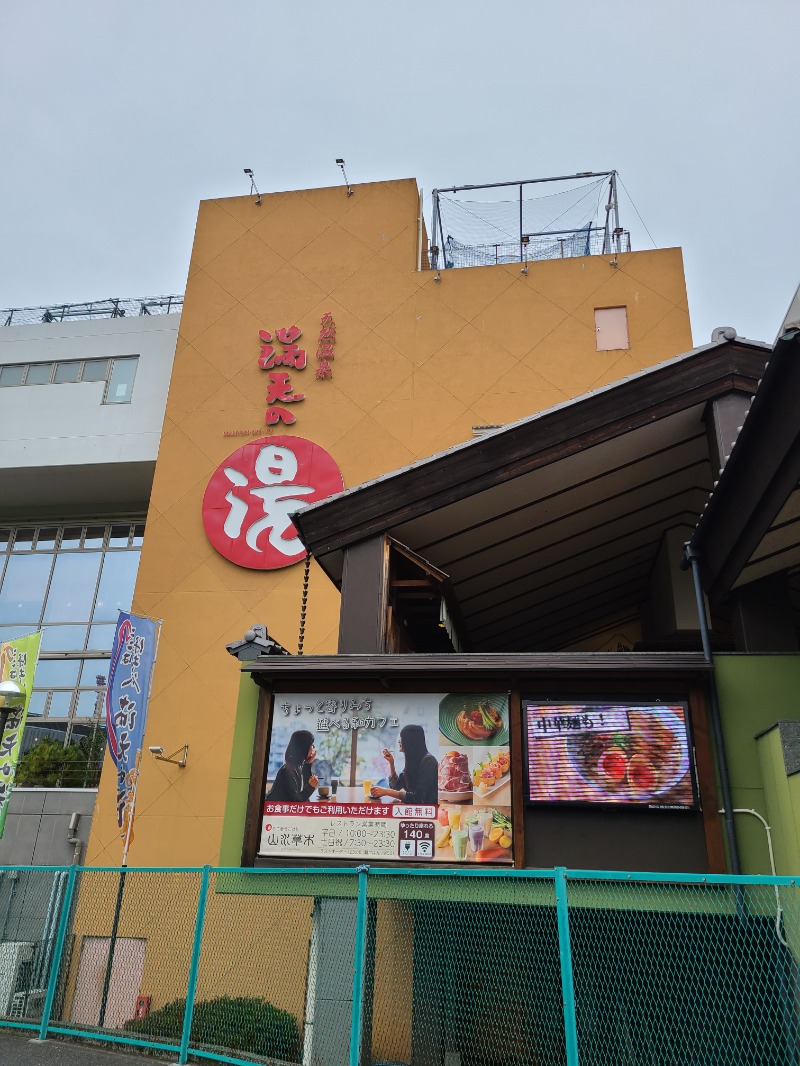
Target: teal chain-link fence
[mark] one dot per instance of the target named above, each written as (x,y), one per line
(428,967)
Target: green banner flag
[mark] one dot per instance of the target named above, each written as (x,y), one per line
(18,660)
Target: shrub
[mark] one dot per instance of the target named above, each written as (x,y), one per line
(236,1023)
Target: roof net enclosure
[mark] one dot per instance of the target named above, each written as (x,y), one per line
(522,221)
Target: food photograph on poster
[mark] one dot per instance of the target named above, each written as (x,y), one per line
(610,754)
(404,777)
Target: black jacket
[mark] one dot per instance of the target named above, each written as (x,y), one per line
(291,784)
(426,784)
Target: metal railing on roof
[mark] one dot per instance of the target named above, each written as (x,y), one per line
(561,244)
(110,308)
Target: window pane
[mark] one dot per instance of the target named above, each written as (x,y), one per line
(67,372)
(116,585)
(24,586)
(63,638)
(59,704)
(23,541)
(88,704)
(94,537)
(72,588)
(93,670)
(101,638)
(138,535)
(95,370)
(36,706)
(5,538)
(119,536)
(12,632)
(120,384)
(11,375)
(46,540)
(57,673)
(39,373)
(71,537)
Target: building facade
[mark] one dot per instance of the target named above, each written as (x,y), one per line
(420,358)
(82,396)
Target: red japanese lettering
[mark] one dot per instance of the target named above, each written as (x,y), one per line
(278,414)
(280,388)
(288,336)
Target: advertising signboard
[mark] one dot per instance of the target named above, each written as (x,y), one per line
(251,495)
(609,754)
(408,777)
(132,660)
(18,659)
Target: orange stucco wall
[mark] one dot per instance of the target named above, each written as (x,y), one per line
(418,363)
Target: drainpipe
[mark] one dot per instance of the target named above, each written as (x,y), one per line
(768,830)
(693,558)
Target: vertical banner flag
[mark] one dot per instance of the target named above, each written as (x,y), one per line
(17,663)
(132,659)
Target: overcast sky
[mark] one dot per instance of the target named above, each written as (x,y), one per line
(116,119)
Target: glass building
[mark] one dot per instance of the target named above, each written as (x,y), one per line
(70,582)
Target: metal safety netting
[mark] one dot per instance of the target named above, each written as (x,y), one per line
(520,223)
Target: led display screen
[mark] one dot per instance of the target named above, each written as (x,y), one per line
(610,754)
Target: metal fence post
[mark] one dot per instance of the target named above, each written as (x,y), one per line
(359,961)
(58,947)
(565,952)
(194,966)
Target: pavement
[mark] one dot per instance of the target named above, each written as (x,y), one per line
(19,1049)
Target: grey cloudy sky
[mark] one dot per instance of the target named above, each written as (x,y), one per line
(116,119)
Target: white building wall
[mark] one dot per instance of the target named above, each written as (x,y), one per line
(61,449)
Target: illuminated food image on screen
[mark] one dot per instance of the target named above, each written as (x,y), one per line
(617,754)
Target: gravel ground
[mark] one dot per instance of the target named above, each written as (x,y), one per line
(18,1049)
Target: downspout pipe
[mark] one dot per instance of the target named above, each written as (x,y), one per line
(693,560)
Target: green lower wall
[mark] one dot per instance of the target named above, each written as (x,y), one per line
(230,852)
(755,692)
(783,803)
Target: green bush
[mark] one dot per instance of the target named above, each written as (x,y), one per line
(49,764)
(236,1023)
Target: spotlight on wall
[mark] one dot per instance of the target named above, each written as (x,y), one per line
(253,188)
(158,754)
(340,164)
(437,277)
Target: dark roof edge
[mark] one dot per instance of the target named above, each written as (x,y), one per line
(753,461)
(312,522)
(524,664)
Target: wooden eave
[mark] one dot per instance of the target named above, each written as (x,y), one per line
(290,671)
(527,445)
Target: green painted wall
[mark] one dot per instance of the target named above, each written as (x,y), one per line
(783,803)
(756,691)
(230,851)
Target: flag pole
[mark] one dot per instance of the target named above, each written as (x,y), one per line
(123,872)
(132,810)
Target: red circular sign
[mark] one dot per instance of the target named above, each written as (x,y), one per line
(251,494)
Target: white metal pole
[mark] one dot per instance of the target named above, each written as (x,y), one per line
(419,240)
(615,202)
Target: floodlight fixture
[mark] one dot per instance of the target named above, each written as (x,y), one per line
(253,189)
(340,164)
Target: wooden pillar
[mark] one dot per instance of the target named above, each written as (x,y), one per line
(365,591)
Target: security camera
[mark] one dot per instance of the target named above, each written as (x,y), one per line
(156,749)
